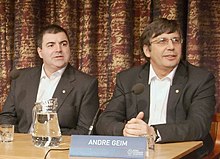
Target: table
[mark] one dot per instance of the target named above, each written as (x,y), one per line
(22,147)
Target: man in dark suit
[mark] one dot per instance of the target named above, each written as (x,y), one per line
(178,100)
(76,92)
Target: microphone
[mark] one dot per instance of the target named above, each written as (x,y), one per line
(136,89)
(14,74)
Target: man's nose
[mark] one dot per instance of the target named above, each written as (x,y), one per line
(58,47)
(170,44)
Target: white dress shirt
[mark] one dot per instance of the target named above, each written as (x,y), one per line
(48,85)
(159,92)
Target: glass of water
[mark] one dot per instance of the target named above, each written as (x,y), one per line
(150,144)
(6,132)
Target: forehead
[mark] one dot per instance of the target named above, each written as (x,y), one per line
(54,37)
(168,35)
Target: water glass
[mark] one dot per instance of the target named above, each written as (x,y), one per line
(6,132)
(150,144)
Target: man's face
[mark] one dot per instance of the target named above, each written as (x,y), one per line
(55,51)
(164,52)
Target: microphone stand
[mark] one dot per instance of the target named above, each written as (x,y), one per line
(136,89)
(98,112)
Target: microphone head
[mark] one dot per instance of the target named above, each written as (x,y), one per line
(14,74)
(138,88)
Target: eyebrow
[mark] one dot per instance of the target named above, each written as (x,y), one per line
(52,42)
(167,37)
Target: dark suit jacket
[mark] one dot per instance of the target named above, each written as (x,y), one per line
(190,105)
(77,95)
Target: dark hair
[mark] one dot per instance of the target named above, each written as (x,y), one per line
(157,28)
(53,28)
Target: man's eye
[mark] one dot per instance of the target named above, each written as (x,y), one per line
(50,45)
(162,40)
(176,40)
(64,44)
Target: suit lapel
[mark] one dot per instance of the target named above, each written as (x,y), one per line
(64,86)
(32,89)
(142,103)
(176,90)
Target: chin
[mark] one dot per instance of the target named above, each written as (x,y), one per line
(60,64)
(171,66)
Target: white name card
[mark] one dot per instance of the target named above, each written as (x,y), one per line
(108,146)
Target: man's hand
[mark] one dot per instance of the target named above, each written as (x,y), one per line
(137,127)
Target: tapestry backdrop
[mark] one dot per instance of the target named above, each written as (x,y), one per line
(104,35)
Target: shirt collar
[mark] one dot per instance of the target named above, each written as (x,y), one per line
(54,75)
(153,75)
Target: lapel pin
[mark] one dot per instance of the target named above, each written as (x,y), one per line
(177,91)
(63,91)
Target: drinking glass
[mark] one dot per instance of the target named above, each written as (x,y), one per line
(6,132)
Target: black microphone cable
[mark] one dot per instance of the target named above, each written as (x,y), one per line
(61,149)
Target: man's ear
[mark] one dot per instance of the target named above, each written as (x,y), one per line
(39,50)
(146,50)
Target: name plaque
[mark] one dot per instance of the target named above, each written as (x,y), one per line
(108,146)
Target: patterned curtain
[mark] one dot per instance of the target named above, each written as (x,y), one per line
(104,35)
